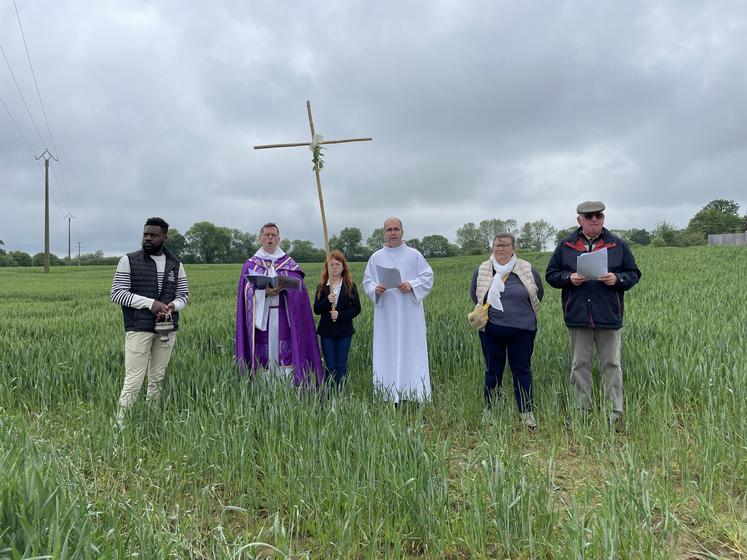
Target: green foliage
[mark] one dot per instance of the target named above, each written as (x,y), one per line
(232,469)
(349,243)
(242,246)
(177,243)
(375,240)
(563,233)
(38,260)
(304,252)
(490,228)
(208,242)
(718,216)
(436,246)
(639,237)
(317,160)
(666,234)
(471,240)
(19,258)
(534,236)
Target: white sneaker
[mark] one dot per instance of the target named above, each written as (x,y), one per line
(528,421)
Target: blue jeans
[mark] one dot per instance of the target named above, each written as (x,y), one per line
(335,352)
(498,342)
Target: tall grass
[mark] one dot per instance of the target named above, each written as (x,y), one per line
(229,469)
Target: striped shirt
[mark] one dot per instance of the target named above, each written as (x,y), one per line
(121,293)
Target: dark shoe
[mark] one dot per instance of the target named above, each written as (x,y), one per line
(617,424)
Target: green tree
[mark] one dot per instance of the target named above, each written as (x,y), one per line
(177,243)
(490,228)
(435,246)
(535,235)
(38,260)
(640,237)
(470,239)
(208,243)
(19,258)
(563,233)
(348,242)
(718,216)
(376,240)
(305,252)
(241,246)
(666,235)
(2,244)
(415,244)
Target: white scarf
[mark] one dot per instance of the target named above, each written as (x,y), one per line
(497,286)
(261,301)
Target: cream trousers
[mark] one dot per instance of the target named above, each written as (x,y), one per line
(144,353)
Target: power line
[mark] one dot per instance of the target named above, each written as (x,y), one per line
(33,75)
(43,110)
(13,120)
(31,116)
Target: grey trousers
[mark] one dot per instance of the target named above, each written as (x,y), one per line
(607,342)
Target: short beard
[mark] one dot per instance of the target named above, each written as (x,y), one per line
(152,250)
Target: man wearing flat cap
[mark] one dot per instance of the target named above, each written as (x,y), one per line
(593,307)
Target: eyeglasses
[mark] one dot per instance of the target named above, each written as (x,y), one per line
(502,245)
(592,215)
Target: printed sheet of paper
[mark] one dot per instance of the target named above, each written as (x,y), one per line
(388,277)
(592,265)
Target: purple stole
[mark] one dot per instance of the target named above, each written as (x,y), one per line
(296,330)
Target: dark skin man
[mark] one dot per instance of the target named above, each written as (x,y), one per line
(153,241)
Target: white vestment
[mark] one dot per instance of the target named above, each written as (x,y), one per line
(400,351)
(267,310)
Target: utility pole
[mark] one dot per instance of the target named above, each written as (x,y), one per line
(47,156)
(68,218)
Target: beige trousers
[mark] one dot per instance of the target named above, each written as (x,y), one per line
(144,353)
(607,342)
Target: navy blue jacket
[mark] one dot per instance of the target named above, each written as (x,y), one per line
(348,307)
(593,303)
(144,282)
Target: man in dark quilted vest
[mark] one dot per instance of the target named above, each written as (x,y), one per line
(151,286)
(593,307)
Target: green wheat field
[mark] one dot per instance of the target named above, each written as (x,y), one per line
(228,469)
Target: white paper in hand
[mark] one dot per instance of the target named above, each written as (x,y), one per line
(592,265)
(388,277)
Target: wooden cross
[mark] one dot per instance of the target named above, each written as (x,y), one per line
(316,144)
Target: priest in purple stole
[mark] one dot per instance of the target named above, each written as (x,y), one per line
(275,327)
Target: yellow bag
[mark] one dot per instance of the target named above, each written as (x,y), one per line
(478,317)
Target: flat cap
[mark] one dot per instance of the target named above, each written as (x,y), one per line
(590,206)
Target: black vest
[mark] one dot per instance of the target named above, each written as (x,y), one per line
(144,282)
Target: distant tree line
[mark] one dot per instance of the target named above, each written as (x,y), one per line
(206,242)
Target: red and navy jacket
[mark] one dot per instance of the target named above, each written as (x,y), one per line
(593,303)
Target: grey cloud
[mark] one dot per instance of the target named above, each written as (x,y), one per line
(477,110)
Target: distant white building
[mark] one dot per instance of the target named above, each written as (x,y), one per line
(728,239)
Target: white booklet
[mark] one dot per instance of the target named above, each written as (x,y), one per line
(388,277)
(592,265)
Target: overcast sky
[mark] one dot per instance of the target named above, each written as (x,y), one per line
(478,110)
